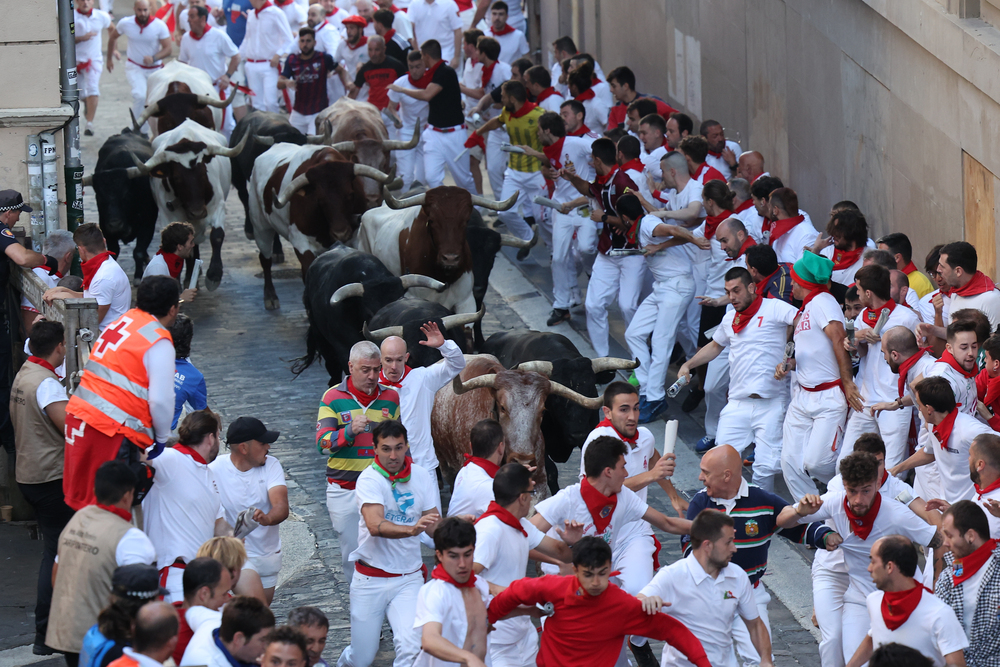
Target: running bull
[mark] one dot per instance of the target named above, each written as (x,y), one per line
(403,318)
(177,92)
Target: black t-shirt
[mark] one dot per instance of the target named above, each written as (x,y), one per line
(445,108)
(6,240)
(378,77)
(394,50)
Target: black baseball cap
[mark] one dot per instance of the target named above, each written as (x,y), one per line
(11,200)
(245,429)
(137,581)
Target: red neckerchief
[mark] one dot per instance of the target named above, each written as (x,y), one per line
(174,263)
(862,525)
(487,73)
(402,476)
(603,180)
(815,289)
(904,368)
(42,362)
(909,268)
(870,317)
(389,34)
(505,30)
(743,317)
(964,568)
(487,465)
(88,14)
(992,487)
(382,379)
(949,359)
(143,26)
(262,8)
(116,511)
(898,605)
(283,3)
(632,441)
(845,259)
(430,73)
(187,451)
(554,152)
(600,506)
(423,81)
(885,476)
(362,398)
(545,94)
(992,388)
(361,42)
(712,222)
(762,284)
(203,33)
(749,243)
(321,25)
(780,227)
(635,164)
(744,206)
(943,430)
(90,267)
(980,284)
(525,109)
(440,573)
(502,513)
(581,131)
(714,153)
(588,95)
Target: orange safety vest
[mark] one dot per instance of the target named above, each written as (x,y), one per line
(113,395)
(124,661)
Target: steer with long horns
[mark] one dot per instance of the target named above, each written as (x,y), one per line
(403,318)
(191,175)
(177,92)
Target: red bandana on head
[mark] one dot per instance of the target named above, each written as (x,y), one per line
(487,465)
(845,259)
(964,568)
(862,525)
(904,368)
(898,605)
(943,430)
(980,284)
(949,359)
(632,441)
(504,515)
(870,317)
(440,573)
(174,263)
(600,506)
(90,267)
(743,317)
(781,227)
(382,379)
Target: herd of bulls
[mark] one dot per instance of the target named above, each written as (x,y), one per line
(373,265)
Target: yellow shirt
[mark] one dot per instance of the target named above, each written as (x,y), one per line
(920,284)
(523,131)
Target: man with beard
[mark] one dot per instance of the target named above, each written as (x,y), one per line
(848,238)
(213,52)
(958,363)
(412,112)
(145,50)
(735,240)
(306,73)
(722,154)
(349,55)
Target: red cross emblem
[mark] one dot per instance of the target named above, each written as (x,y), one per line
(112,337)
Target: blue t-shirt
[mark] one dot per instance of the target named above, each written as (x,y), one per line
(189,387)
(237,28)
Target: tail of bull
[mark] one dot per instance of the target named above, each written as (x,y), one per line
(313,340)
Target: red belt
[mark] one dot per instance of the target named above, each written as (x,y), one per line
(825,386)
(369,571)
(251,60)
(84,66)
(144,66)
(446,130)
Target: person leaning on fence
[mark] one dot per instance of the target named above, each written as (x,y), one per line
(59,244)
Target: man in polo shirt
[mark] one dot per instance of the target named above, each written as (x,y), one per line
(902,251)
(396,505)
(473,487)
(306,73)
(347,414)
(444,145)
(148,43)
(267,39)
(438,21)
(722,154)
(621,80)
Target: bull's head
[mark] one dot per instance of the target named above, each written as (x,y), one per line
(448,322)
(357,290)
(117,199)
(175,108)
(373,153)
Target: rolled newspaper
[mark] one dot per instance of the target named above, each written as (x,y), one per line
(545,201)
(623,252)
(669,437)
(195,272)
(789,353)
(676,387)
(510,148)
(883,317)
(245,523)
(461,155)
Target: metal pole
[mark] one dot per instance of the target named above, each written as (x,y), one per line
(72,166)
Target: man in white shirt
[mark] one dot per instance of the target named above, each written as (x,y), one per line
(472,491)
(411,112)
(903,612)
(652,129)
(176,245)
(250,478)
(351,53)
(935,305)
(90,23)
(722,154)
(958,363)
(493,74)
(848,240)
(791,230)
(213,51)
(240,639)
(513,43)
(438,20)
(814,424)
(396,504)
(970,288)
(706,592)
(735,240)
(878,381)
(417,388)
(756,331)
(328,30)
(267,39)
(581,87)
(984,469)
(148,43)
(538,81)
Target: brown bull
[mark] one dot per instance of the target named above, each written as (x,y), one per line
(178,105)
(515,398)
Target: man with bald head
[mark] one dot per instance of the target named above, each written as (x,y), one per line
(148,43)
(417,388)
(733,237)
(750,166)
(372,80)
(327,30)
(154,637)
(726,490)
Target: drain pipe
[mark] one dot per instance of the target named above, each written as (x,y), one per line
(72,166)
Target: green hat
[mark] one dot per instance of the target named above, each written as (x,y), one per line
(812,269)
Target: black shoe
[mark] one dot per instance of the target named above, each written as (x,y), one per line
(87,133)
(41,649)
(558,316)
(693,399)
(643,655)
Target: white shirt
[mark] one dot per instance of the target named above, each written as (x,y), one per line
(239,490)
(135,547)
(472,77)
(50,281)
(501,72)
(202,649)
(49,391)
(296,15)
(553,102)
(877,381)
(403,505)
(964,387)
(90,49)
(637,458)
(503,553)
(350,58)
(596,117)
(994,521)
(754,223)
(181,508)
(575,151)
(843,276)
(919,369)
(441,602)
(403,26)
(987,302)
(932,628)
(568,505)
(790,246)
(815,363)
(211,53)
(757,350)
(141,660)
(416,401)
(436,20)
(705,605)
(472,491)
(267,34)
(328,37)
(679,200)
(411,110)
(652,162)
(927,308)
(142,41)
(513,45)
(160,363)
(970,595)
(111,287)
(668,263)
(157,265)
(953,459)
(720,164)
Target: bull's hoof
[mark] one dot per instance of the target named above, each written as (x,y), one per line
(212,284)
(248,229)
(278,257)
(271,303)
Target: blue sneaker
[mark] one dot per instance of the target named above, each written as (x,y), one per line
(704,445)
(650,410)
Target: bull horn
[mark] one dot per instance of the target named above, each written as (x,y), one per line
(493,205)
(406,202)
(403,145)
(135,126)
(294,186)
(343,146)
(264,140)
(543,367)
(88,181)
(132,172)
(461,319)
(565,392)
(208,100)
(480,381)
(601,364)
(417,280)
(150,164)
(225,151)
(512,241)
(146,113)
(380,335)
(346,292)
(372,173)
(320,138)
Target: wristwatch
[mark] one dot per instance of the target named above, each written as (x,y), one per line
(604,217)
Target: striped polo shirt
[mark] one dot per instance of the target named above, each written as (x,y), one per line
(522,127)
(348,456)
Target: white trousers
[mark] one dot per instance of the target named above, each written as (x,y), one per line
(373,599)
(757,420)
(174,585)
(262,79)
(612,277)
(306,124)
(440,150)
(716,391)
(565,263)
(687,332)
(137,78)
(856,622)
(267,567)
(741,635)
(811,437)
(526,185)
(829,588)
(659,315)
(893,427)
(496,160)
(89,80)
(521,654)
(342,505)
(410,164)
